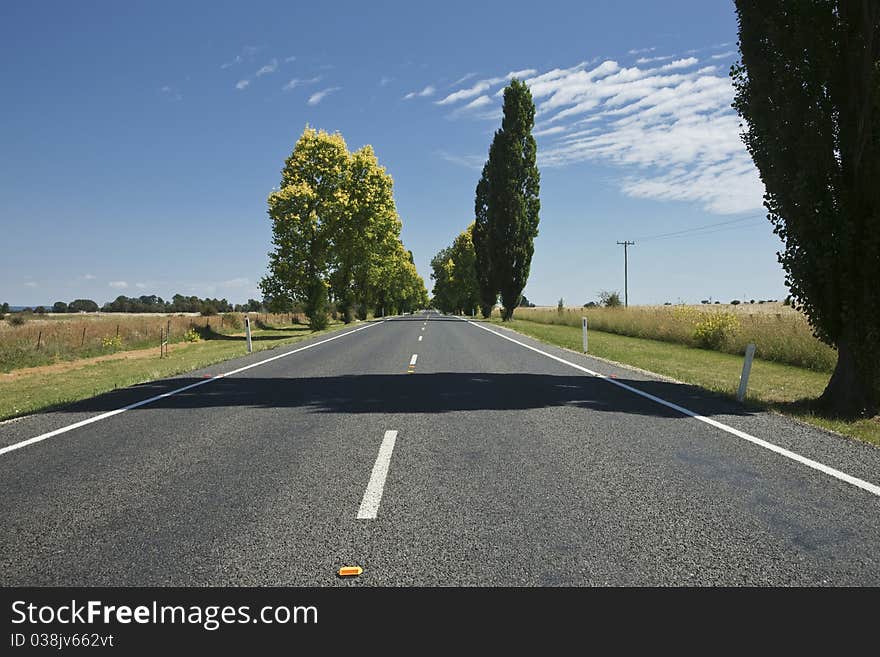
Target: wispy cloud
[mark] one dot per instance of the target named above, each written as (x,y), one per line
(169,92)
(650,60)
(141,286)
(669,130)
(384,81)
(89,277)
(271,67)
(292,58)
(724,55)
(473,162)
(427,91)
(30,284)
(247,53)
(297,82)
(317,97)
(118,285)
(242,84)
(482,86)
(639,51)
(463,78)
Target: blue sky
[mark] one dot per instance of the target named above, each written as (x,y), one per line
(139,140)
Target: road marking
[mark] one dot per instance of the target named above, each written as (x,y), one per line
(412,361)
(423,328)
(420,338)
(810,463)
(373,495)
(144,402)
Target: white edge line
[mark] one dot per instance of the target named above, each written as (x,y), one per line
(144,402)
(373,495)
(412,361)
(420,338)
(810,463)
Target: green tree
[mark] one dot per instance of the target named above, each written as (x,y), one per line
(305,211)
(366,235)
(508,196)
(808,89)
(82,306)
(486,283)
(4,308)
(59,307)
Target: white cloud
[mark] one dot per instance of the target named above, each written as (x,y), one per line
(650,60)
(723,55)
(236,282)
(317,97)
(292,58)
(296,82)
(482,101)
(473,162)
(242,84)
(427,91)
(236,60)
(680,63)
(141,286)
(119,285)
(30,284)
(271,67)
(384,81)
(463,78)
(545,132)
(639,51)
(89,277)
(483,85)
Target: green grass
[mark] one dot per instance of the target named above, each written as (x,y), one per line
(783,388)
(29,392)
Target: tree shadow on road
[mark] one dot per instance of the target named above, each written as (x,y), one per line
(421,393)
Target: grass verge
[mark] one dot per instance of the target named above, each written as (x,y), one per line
(775,386)
(23,392)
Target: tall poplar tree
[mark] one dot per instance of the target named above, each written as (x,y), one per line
(808,88)
(507,203)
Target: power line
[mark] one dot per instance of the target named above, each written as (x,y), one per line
(737,223)
(626,244)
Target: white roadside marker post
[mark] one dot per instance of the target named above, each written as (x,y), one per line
(584,323)
(247,332)
(747,368)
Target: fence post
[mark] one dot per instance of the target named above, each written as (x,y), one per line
(39,339)
(747,368)
(247,332)
(584,325)
(161,344)
(83,341)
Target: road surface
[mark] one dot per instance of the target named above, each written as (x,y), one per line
(430,450)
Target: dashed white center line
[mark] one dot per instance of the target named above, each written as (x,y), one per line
(420,338)
(412,361)
(373,495)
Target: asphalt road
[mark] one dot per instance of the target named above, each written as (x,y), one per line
(508,467)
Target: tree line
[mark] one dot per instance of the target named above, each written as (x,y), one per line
(336,235)
(493,256)
(148,304)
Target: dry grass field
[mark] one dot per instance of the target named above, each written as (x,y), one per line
(781,334)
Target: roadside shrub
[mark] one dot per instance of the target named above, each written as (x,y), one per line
(560,307)
(192,336)
(233,320)
(713,328)
(111,342)
(208,310)
(610,299)
(16,319)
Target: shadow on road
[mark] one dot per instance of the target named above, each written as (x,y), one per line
(420,393)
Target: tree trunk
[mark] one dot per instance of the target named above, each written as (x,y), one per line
(486,309)
(851,392)
(506,314)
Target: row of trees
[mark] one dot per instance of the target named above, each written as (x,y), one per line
(454,273)
(149,304)
(492,257)
(336,235)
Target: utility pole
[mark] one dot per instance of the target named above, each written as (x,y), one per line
(626,244)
